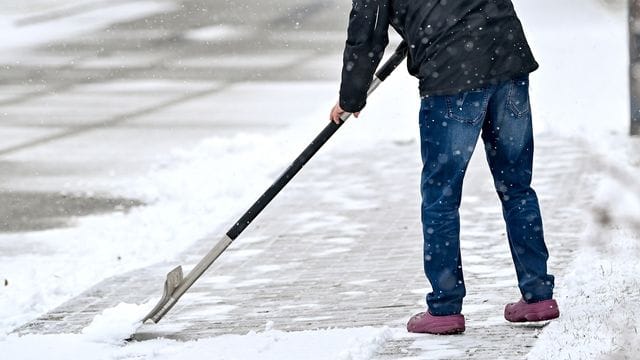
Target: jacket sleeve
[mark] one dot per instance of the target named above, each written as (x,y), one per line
(367,37)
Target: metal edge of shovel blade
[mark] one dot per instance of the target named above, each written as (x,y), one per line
(173,280)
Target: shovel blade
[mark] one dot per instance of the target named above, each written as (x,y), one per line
(173,280)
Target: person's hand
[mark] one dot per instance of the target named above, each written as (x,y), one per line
(337,111)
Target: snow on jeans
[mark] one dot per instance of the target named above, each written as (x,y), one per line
(449,130)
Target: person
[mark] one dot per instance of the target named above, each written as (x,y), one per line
(472,61)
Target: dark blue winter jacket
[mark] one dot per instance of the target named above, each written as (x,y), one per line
(454,45)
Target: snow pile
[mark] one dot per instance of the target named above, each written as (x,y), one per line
(599,302)
(105,334)
(98,342)
(365,348)
(51,347)
(272,344)
(117,323)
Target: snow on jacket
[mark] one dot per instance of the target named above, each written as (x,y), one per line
(454,45)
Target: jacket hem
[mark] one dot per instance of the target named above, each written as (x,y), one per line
(425,91)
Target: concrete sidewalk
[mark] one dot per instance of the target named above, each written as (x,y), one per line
(326,256)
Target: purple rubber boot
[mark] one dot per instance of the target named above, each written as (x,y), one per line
(424,322)
(539,311)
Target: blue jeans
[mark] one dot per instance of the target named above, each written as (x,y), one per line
(449,129)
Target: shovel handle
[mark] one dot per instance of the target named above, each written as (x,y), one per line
(399,54)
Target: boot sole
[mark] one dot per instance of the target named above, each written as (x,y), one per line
(534,316)
(544,316)
(443,330)
(440,332)
(448,331)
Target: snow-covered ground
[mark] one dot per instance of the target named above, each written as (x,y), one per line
(103,340)
(580,91)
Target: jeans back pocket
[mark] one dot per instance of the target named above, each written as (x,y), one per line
(468,107)
(518,98)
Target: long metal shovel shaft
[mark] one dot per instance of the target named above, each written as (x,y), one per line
(176,285)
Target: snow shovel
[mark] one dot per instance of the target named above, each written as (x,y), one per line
(176,284)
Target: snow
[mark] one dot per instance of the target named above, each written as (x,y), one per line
(102,340)
(215,33)
(233,61)
(117,323)
(30,7)
(580,91)
(12,36)
(599,303)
